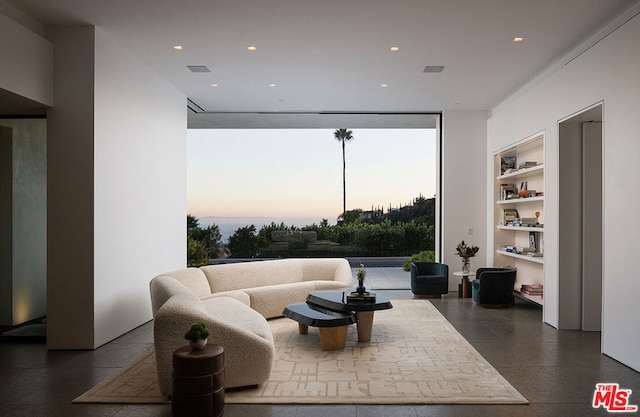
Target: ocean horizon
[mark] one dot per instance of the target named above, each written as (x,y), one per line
(228,225)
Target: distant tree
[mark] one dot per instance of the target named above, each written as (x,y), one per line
(352,216)
(192,222)
(343,136)
(210,237)
(244,242)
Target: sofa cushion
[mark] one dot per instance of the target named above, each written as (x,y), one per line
(241,296)
(238,276)
(270,300)
(234,313)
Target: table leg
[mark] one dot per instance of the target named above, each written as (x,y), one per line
(333,338)
(303,328)
(365,323)
(466,287)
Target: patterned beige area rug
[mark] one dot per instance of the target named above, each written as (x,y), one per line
(136,383)
(415,357)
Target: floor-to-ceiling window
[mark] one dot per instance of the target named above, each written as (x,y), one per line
(303,192)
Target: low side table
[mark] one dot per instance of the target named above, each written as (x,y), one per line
(464,288)
(198,382)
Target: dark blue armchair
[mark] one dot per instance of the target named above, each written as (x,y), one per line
(429,278)
(494,286)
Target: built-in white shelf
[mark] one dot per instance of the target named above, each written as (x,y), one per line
(535,259)
(530,269)
(521,200)
(521,228)
(521,173)
(533,298)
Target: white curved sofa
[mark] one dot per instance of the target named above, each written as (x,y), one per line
(234,301)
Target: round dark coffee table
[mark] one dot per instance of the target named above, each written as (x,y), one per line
(333,325)
(338,302)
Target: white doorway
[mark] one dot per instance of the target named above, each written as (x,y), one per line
(580,220)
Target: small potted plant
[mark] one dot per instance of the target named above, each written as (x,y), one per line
(197,335)
(361,274)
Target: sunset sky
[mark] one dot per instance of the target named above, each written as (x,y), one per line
(298,172)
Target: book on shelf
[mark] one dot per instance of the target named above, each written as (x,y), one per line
(533,241)
(508,216)
(532,289)
(527,164)
(508,191)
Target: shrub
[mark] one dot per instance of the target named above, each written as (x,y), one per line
(424,256)
(197,254)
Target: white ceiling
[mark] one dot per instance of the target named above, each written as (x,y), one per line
(333,55)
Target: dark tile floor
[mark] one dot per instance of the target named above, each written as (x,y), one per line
(555,370)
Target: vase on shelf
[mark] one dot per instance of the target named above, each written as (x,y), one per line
(360,289)
(466,265)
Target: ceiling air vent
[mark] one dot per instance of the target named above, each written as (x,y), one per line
(433,68)
(198,68)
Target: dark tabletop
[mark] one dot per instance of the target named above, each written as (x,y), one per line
(337,301)
(317,316)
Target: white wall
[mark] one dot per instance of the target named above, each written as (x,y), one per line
(609,72)
(116,192)
(26,66)
(464,188)
(140,187)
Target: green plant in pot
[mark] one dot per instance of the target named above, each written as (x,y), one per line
(197,335)
(361,274)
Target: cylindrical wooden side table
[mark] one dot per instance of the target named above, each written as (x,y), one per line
(198,382)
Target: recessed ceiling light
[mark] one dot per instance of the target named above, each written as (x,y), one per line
(178,47)
(384,85)
(215,85)
(251,48)
(433,68)
(518,40)
(394,49)
(272,85)
(198,68)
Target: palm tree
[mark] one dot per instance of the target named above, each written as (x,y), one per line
(344,136)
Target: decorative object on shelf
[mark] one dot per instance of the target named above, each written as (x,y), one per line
(465,252)
(197,336)
(361,274)
(365,297)
(507,164)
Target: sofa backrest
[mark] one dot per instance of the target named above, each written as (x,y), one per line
(192,278)
(326,269)
(236,276)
